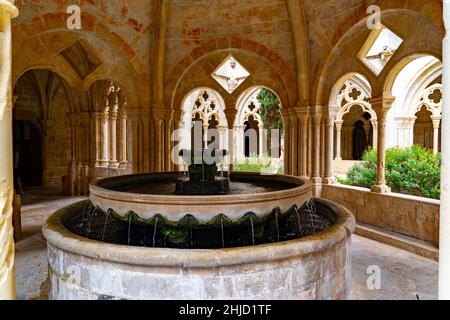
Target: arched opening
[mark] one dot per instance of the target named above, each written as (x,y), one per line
(356,121)
(356,134)
(203,120)
(42,142)
(28,155)
(416,112)
(259,130)
(423,129)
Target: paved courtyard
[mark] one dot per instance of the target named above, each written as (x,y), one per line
(404,276)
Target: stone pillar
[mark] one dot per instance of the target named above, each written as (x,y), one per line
(261,140)
(317,119)
(381,105)
(375,133)
(294,144)
(329,176)
(113,163)
(239,143)
(98,139)
(339,124)
(304,143)
(405,131)
(7,287)
(444,243)
(104,162)
(123,161)
(287,145)
(436,125)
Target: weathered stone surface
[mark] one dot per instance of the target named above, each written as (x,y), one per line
(412,216)
(316,267)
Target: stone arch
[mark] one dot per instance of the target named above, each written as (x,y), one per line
(285,82)
(412,82)
(345,51)
(43,48)
(247,109)
(341,101)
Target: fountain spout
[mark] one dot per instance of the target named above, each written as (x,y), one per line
(202,178)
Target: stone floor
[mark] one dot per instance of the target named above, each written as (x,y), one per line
(404,276)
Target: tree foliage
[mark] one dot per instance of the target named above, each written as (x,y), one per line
(270,109)
(414,171)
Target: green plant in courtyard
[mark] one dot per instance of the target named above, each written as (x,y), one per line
(414,171)
(259,164)
(270,110)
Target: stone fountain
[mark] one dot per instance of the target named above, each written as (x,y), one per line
(221,236)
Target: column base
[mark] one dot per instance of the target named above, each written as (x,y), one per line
(316,180)
(381,189)
(104,164)
(114,165)
(329,180)
(338,159)
(123,165)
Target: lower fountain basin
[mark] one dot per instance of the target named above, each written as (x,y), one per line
(149,195)
(315,267)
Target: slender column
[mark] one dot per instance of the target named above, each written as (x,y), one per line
(317,118)
(329,176)
(375,133)
(444,243)
(304,143)
(339,124)
(287,145)
(7,287)
(239,143)
(261,140)
(405,131)
(113,163)
(436,125)
(294,144)
(105,139)
(98,138)
(381,105)
(123,162)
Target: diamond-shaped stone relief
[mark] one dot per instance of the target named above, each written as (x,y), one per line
(379,48)
(230,74)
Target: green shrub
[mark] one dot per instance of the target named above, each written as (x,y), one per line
(259,164)
(414,171)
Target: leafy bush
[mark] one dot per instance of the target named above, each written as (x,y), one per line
(414,171)
(259,164)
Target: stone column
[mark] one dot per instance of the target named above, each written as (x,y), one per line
(294,144)
(7,287)
(436,125)
(317,118)
(239,143)
(444,243)
(381,105)
(287,145)
(405,131)
(339,124)
(104,162)
(123,161)
(329,176)
(304,143)
(375,133)
(98,139)
(261,140)
(113,163)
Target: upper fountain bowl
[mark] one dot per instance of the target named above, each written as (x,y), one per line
(153,195)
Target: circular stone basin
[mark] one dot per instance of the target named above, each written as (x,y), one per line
(314,267)
(150,195)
